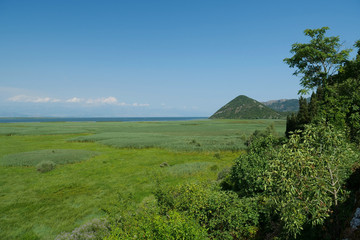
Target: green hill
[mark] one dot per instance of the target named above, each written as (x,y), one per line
(243,107)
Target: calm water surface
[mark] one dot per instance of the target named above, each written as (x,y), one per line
(99,119)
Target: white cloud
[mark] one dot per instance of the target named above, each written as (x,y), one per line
(108,100)
(74,100)
(25,98)
(91,101)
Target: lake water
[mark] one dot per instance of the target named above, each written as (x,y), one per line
(99,119)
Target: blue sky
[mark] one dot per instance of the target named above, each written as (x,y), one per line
(154,58)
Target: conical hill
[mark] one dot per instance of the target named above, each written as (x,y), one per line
(243,107)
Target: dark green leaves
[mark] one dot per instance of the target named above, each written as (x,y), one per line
(318,60)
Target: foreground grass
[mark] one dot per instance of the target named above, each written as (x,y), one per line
(37,205)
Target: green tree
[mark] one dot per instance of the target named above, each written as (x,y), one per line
(303,116)
(305,179)
(318,60)
(298,121)
(340,103)
(313,105)
(291,124)
(247,173)
(349,88)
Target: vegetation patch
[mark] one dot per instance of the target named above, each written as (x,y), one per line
(166,141)
(189,168)
(45,166)
(42,206)
(56,156)
(243,107)
(95,229)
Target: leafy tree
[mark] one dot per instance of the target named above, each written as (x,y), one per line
(303,116)
(340,101)
(305,179)
(297,121)
(318,60)
(349,89)
(247,173)
(313,105)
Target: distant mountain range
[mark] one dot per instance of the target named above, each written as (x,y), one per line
(243,107)
(283,105)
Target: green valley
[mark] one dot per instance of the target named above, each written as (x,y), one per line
(103,161)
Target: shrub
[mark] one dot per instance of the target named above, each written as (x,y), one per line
(148,222)
(217,155)
(224,173)
(306,178)
(222,213)
(247,174)
(164,164)
(45,166)
(95,229)
(214,168)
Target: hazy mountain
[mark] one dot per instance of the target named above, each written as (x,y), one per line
(283,105)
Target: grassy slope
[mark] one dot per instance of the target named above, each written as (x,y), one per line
(285,105)
(41,205)
(243,107)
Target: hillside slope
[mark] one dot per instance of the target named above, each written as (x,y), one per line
(243,107)
(283,105)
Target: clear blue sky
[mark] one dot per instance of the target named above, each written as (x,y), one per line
(154,58)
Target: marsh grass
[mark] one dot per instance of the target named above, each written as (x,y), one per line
(171,142)
(56,156)
(188,169)
(41,206)
(95,229)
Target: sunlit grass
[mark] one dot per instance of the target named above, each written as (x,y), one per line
(58,156)
(37,205)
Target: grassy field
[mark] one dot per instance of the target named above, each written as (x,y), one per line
(97,161)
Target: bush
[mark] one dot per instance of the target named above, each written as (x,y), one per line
(225,172)
(45,166)
(95,229)
(217,155)
(247,174)
(305,180)
(222,213)
(164,164)
(148,222)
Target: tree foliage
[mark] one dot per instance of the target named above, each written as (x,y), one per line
(305,178)
(336,80)
(147,221)
(247,174)
(222,213)
(280,185)
(318,60)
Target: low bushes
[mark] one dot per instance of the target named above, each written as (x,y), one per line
(45,166)
(57,156)
(189,211)
(94,230)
